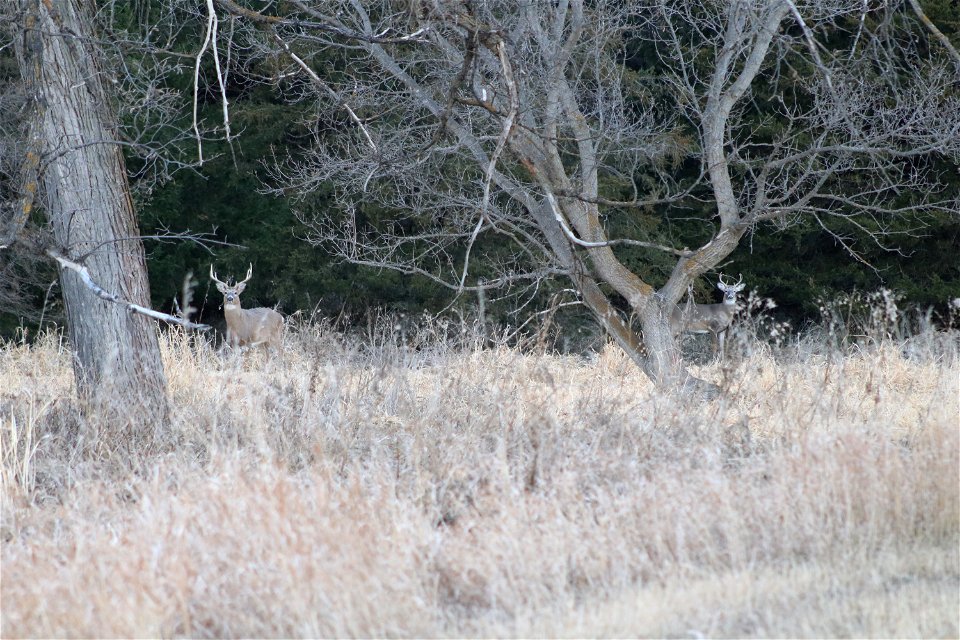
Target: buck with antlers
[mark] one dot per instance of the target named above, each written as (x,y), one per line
(248,327)
(709,318)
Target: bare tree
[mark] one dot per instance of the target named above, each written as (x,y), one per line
(503,119)
(513,129)
(72,165)
(506,119)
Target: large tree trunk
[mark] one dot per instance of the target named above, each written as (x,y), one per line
(87,199)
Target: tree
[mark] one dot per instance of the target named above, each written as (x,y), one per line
(516,121)
(72,160)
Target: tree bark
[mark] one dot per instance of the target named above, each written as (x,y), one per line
(658,353)
(86,197)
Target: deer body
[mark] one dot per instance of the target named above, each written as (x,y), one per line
(714,319)
(248,327)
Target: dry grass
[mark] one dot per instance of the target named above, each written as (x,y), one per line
(362,489)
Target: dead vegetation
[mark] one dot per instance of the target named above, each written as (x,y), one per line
(362,488)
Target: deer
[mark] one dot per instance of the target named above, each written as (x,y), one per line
(709,318)
(247,327)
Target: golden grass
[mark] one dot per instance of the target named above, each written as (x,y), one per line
(364,489)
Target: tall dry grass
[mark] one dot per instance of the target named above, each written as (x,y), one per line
(357,487)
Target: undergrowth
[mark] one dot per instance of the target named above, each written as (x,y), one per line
(434,486)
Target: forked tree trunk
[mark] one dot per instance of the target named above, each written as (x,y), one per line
(657,353)
(87,199)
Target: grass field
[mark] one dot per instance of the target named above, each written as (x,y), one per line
(353,487)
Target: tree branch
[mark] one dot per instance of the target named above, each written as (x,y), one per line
(928,23)
(326,88)
(100,292)
(327,25)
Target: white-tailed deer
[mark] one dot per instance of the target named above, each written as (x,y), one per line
(709,318)
(248,327)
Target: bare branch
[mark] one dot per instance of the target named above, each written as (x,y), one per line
(326,88)
(507,128)
(216,63)
(932,28)
(81,271)
(568,232)
(327,24)
(208,36)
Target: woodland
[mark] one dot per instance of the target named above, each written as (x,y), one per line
(490,159)
(237,206)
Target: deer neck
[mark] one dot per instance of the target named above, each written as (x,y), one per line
(729,307)
(231,309)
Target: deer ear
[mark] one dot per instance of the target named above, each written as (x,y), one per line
(222,288)
(240,287)
(739,287)
(721,286)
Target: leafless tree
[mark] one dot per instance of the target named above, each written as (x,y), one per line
(504,119)
(498,118)
(71,167)
(499,128)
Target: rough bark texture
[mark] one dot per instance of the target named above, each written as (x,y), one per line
(86,196)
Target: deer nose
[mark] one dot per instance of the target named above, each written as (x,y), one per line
(229,297)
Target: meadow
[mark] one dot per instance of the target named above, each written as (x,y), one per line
(440,486)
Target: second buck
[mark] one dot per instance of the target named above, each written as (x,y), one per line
(709,318)
(247,327)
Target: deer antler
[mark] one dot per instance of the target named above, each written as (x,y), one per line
(726,284)
(249,274)
(213,276)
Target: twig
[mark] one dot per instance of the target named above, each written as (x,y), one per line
(497,151)
(812,46)
(507,123)
(863,18)
(216,63)
(558,216)
(211,17)
(323,85)
(196,238)
(326,25)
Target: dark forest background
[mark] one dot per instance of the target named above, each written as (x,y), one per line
(226,200)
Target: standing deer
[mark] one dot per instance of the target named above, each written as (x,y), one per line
(248,326)
(709,318)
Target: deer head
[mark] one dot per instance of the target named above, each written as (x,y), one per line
(232,292)
(730,290)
